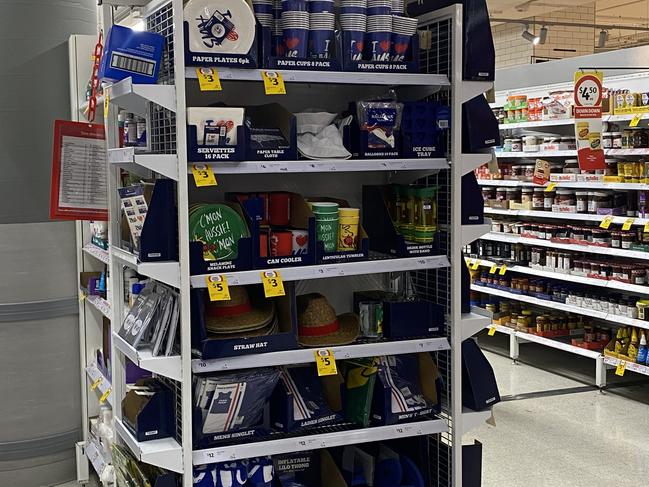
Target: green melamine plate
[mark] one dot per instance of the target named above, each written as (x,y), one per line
(219,228)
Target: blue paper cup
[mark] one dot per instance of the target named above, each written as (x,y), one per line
(356,44)
(296,42)
(320,42)
(379,11)
(400,46)
(262,8)
(378,45)
(295,5)
(321,6)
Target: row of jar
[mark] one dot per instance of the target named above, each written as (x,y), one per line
(594,299)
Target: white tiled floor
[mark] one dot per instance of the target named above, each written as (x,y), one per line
(569,439)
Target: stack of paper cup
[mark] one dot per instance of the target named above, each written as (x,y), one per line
(353,7)
(403,28)
(379,34)
(379,7)
(354,24)
(321,33)
(348,219)
(277,33)
(295,27)
(317,6)
(326,224)
(263,12)
(397,7)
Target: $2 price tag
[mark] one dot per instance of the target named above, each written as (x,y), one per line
(606,222)
(273,83)
(635,120)
(217,288)
(550,187)
(208,79)
(273,285)
(325,362)
(627,224)
(203,175)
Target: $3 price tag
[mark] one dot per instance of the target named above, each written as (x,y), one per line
(273,83)
(273,285)
(217,288)
(208,79)
(325,362)
(203,175)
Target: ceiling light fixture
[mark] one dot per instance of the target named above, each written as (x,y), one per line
(603,37)
(528,36)
(543,34)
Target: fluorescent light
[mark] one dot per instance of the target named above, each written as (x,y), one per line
(528,36)
(543,34)
(139,26)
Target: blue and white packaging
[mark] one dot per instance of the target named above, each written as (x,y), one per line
(130,53)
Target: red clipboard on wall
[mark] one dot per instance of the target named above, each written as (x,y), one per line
(79,189)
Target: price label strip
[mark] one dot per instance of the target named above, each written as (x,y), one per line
(217,288)
(325,362)
(273,285)
(492,331)
(627,224)
(203,175)
(106,104)
(208,79)
(502,270)
(606,222)
(493,269)
(550,187)
(621,366)
(105,395)
(273,83)
(95,384)
(635,120)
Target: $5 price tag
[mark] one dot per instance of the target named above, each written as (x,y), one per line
(325,362)
(217,288)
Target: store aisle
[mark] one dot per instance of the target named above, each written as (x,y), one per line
(571,434)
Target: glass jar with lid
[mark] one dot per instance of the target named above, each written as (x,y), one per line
(607,140)
(513,194)
(611,167)
(599,199)
(571,166)
(582,201)
(565,197)
(501,194)
(527,171)
(526,195)
(617,140)
(537,199)
(627,139)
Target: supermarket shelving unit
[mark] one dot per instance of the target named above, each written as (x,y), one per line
(437,278)
(552,78)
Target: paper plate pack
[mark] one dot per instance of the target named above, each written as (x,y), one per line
(220,26)
(218,227)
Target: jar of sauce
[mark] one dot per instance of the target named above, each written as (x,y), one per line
(582,201)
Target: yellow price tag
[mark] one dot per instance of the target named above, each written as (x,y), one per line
(502,270)
(646,228)
(208,79)
(493,269)
(273,285)
(621,366)
(95,384)
(273,83)
(627,224)
(106,103)
(635,120)
(217,288)
(606,222)
(550,187)
(492,331)
(105,395)
(325,362)
(203,175)
(475,265)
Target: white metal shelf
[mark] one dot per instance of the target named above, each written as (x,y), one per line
(327,165)
(474,321)
(101,305)
(129,159)
(563,121)
(470,162)
(330,270)
(472,419)
(304,356)
(569,153)
(575,184)
(471,233)
(603,283)
(134,97)
(601,315)
(315,442)
(162,365)
(95,456)
(588,249)
(632,366)
(167,272)
(97,252)
(332,77)
(619,220)
(94,374)
(166,452)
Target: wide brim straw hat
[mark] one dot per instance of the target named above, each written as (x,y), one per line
(318,325)
(269,329)
(238,314)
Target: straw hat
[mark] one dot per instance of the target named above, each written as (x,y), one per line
(318,325)
(269,329)
(238,314)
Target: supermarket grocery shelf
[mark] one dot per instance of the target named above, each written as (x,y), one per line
(167,272)
(502,329)
(377,266)
(470,162)
(95,456)
(103,384)
(471,233)
(308,355)
(576,185)
(559,122)
(619,220)
(314,442)
(129,159)
(166,366)
(471,89)
(101,305)
(474,321)
(633,367)
(569,153)
(590,249)
(96,252)
(472,419)
(135,98)
(610,284)
(332,77)
(612,318)
(327,165)
(166,453)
